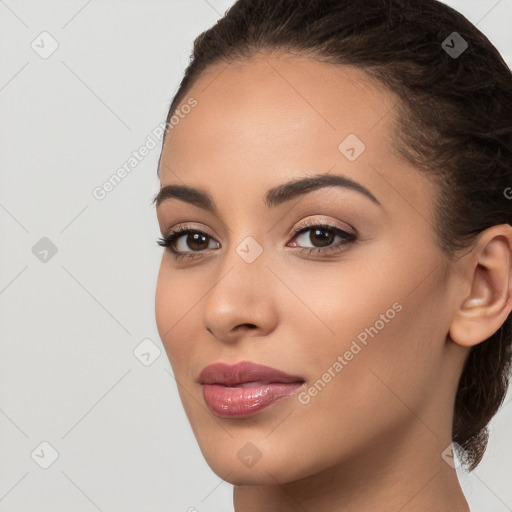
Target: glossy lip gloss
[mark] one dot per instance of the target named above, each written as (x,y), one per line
(243,389)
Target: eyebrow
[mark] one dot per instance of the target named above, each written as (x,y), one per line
(274,197)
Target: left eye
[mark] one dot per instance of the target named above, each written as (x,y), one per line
(323,235)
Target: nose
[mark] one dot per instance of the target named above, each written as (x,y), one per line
(240,302)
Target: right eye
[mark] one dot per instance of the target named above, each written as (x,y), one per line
(196,240)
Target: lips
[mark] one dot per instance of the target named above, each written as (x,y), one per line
(244,372)
(243,389)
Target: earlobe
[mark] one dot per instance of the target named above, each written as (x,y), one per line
(484,310)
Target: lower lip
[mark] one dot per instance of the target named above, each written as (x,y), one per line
(244,401)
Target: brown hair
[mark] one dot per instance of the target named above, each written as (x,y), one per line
(454,122)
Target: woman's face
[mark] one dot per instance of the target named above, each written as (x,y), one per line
(360,321)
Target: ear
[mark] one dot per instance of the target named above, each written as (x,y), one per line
(488,275)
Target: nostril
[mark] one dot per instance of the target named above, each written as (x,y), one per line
(245,327)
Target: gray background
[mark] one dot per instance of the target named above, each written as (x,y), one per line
(71,320)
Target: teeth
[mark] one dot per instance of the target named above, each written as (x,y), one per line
(250,384)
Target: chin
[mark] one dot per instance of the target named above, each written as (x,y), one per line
(242,462)
(262,473)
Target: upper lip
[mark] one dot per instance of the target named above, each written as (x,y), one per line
(244,371)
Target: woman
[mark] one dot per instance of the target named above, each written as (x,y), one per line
(335,293)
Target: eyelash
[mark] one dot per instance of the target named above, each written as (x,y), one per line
(349,238)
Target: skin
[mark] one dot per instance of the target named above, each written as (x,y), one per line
(373,437)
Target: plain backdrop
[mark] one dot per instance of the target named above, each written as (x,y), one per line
(90,418)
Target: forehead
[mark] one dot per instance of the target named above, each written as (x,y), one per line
(272,100)
(276,117)
(268,92)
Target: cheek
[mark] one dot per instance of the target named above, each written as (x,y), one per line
(386,353)
(173,307)
(370,326)
(342,302)
(164,304)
